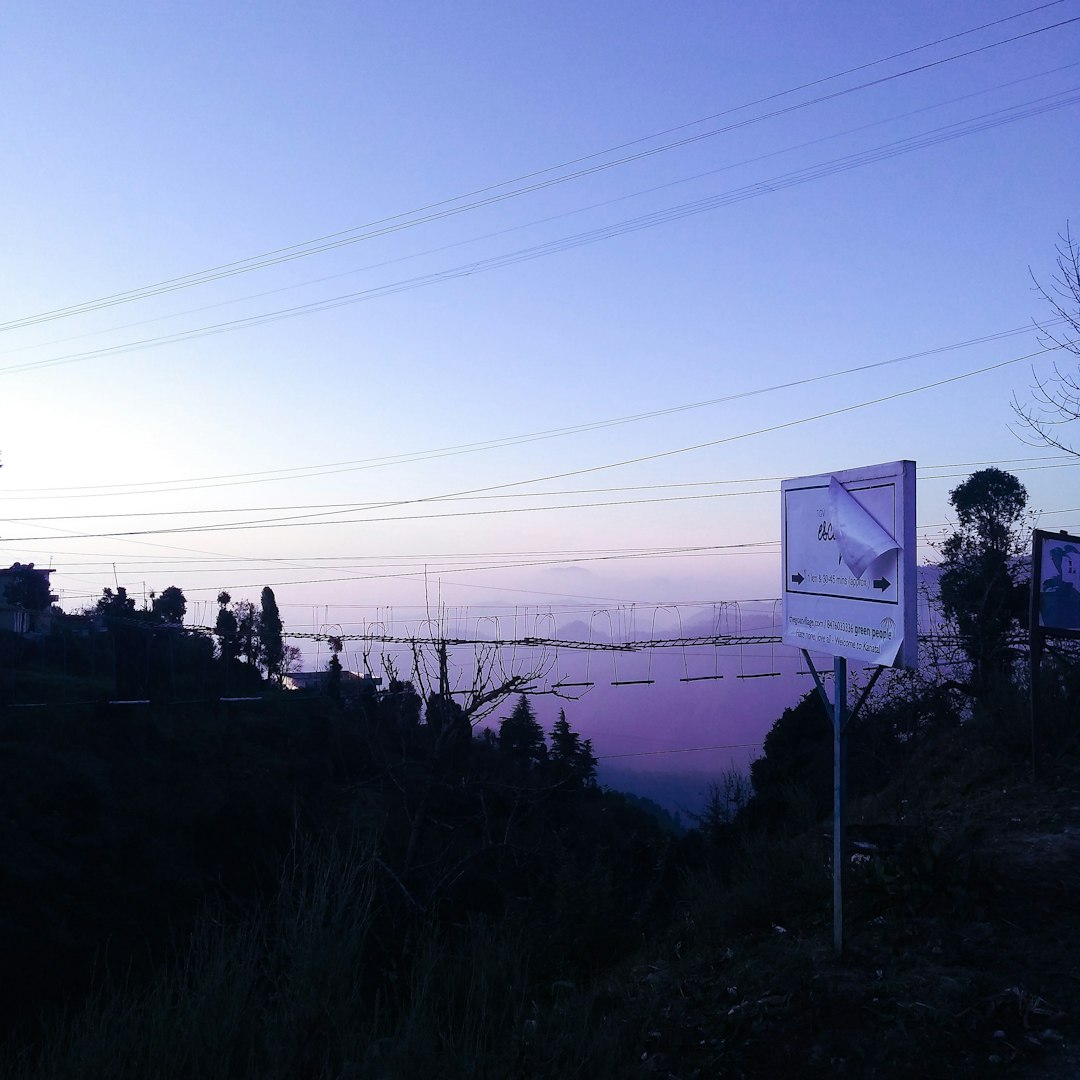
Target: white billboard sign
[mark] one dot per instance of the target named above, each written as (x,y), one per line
(849,564)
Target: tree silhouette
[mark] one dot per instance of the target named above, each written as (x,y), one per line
(116,605)
(28,588)
(571,758)
(982,564)
(794,774)
(131,631)
(247,631)
(521,738)
(225,628)
(273,647)
(1055,399)
(333,678)
(171,605)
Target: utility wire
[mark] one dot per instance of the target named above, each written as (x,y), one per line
(494,193)
(306,471)
(279,523)
(682,750)
(1069,463)
(382,264)
(750,191)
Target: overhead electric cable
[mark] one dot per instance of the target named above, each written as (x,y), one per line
(646,221)
(549,219)
(494,193)
(1069,463)
(659,455)
(681,750)
(305,471)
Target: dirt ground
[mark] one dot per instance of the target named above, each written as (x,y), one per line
(962,953)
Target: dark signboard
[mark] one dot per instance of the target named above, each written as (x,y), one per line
(1055,577)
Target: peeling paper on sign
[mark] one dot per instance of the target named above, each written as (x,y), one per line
(861,538)
(887,656)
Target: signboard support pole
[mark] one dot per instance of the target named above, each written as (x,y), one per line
(839,797)
(817,679)
(1035,662)
(848,557)
(837,710)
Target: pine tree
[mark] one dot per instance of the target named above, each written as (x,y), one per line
(273,647)
(333,677)
(521,738)
(571,758)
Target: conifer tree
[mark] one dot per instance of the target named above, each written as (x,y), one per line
(333,677)
(521,738)
(225,628)
(272,645)
(571,758)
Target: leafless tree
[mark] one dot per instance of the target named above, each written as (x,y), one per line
(482,681)
(1054,403)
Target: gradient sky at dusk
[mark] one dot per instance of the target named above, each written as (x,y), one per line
(560,244)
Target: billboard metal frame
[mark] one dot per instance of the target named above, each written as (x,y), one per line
(848,564)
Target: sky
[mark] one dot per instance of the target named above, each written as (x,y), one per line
(512,311)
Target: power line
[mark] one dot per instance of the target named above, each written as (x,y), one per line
(761,547)
(382,264)
(1067,463)
(289,523)
(307,471)
(494,193)
(682,750)
(646,221)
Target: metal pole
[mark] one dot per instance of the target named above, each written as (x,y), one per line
(1035,647)
(839,797)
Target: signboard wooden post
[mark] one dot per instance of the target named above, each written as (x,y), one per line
(848,558)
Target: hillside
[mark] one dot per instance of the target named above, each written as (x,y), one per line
(300,888)
(962,933)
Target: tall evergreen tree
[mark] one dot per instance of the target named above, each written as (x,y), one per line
(225,628)
(333,678)
(521,738)
(247,631)
(571,758)
(273,646)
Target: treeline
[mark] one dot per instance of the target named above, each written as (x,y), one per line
(119,650)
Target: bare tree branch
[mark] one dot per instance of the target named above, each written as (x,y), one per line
(1055,399)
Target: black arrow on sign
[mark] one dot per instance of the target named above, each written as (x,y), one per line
(881,583)
(798,578)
